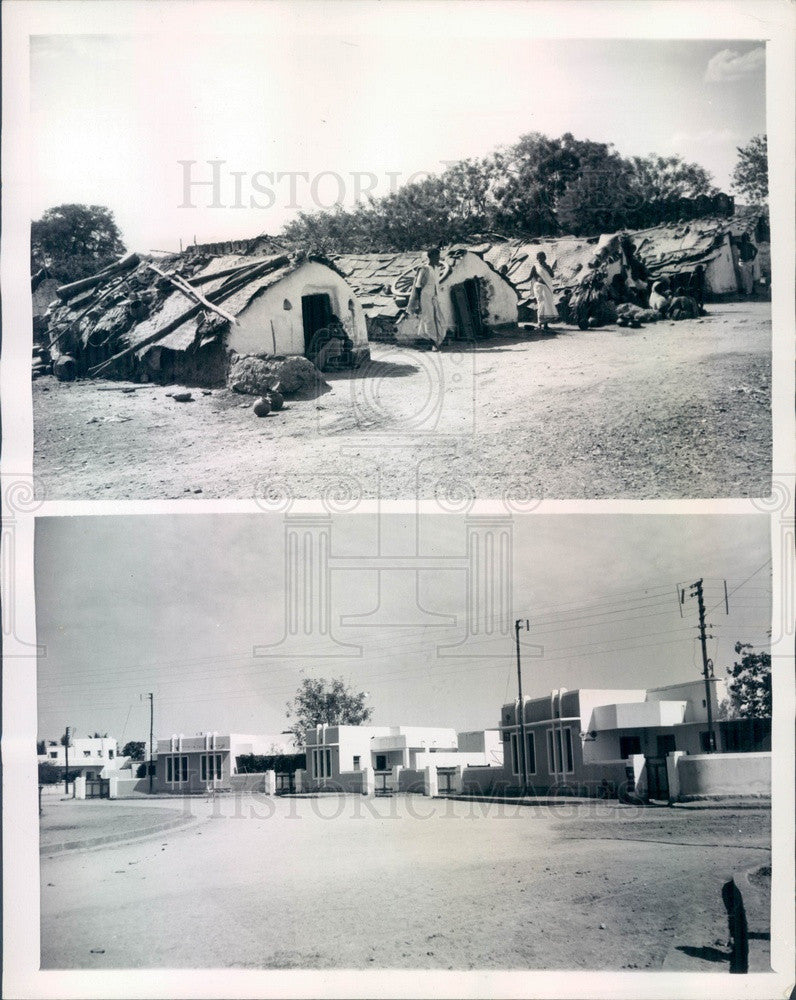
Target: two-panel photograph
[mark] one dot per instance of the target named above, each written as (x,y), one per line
(398,567)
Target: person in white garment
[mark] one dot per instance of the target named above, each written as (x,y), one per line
(542,275)
(424,301)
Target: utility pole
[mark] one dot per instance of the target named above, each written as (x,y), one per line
(66,752)
(518,624)
(707,671)
(151,728)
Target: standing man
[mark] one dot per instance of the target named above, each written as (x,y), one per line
(424,301)
(747,252)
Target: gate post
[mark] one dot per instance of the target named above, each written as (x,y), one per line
(113,788)
(639,764)
(673,773)
(368,781)
(269,783)
(79,786)
(430,785)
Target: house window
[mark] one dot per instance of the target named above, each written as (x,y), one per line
(666,744)
(210,767)
(110,754)
(569,764)
(704,742)
(552,762)
(176,769)
(322,763)
(86,753)
(530,752)
(356,763)
(54,754)
(628,745)
(99,753)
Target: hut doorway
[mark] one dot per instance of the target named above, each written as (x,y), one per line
(316,311)
(466,297)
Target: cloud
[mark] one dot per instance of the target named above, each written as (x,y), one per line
(728,65)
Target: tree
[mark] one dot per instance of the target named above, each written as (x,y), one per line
(319,701)
(134,750)
(749,684)
(75,241)
(750,176)
(667,178)
(51,774)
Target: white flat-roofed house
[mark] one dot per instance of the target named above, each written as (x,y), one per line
(336,752)
(206,761)
(89,756)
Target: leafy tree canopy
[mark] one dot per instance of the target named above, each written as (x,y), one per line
(537,186)
(134,750)
(75,241)
(320,701)
(750,176)
(749,684)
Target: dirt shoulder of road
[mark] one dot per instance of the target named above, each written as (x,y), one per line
(670,410)
(76,825)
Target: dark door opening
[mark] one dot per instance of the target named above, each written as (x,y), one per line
(666,744)
(381,762)
(657,778)
(467,309)
(316,311)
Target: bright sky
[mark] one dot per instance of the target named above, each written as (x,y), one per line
(175,604)
(112,116)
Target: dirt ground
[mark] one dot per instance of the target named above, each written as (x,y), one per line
(671,410)
(408,882)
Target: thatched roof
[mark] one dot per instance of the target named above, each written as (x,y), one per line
(573,256)
(383,281)
(101,315)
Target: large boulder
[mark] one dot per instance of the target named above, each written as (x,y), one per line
(256,376)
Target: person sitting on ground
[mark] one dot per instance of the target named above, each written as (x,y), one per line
(328,346)
(683,307)
(659,298)
(424,301)
(542,275)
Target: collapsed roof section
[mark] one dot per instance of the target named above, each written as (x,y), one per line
(183,302)
(574,259)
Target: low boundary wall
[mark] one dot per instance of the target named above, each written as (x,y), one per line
(724,774)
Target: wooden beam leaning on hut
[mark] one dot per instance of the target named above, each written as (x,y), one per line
(66,292)
(190,292)
(222,294)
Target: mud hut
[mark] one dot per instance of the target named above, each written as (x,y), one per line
(186,318)
(475,299)
(576,259)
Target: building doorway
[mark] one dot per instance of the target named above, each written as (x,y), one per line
(467,304)
(316,311)
(657,778)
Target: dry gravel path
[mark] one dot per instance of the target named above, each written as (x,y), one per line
(342,882)
(672,410)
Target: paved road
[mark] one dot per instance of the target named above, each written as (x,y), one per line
(671,410)
(408,882)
